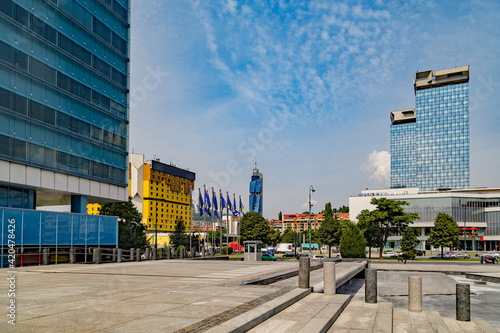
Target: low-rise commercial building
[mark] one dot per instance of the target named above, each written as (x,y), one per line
(477,212)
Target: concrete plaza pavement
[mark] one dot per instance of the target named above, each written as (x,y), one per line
(152,296)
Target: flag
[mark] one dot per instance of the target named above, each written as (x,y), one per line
(200,203)
(222,203)
(242,210)
(235,211)
(206,207)
(229,205)
(214,202)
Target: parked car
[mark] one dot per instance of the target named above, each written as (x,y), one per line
(289,255)
(438,256)
(496,255)
(419,252)
(455,255)
(390,255)
(318,257)
(267,257)
(302,255)
(488,259)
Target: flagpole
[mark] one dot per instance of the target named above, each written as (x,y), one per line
(220,225)
(204,221)
(212,240)
(240,212)
(227,218)
(191,223)
(237,222)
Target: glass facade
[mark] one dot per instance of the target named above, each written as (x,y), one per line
(30,230)
(255,198)
(403,167)
(64,68)
(442,137)
(432,152)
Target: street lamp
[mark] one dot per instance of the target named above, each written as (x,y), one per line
(311,190)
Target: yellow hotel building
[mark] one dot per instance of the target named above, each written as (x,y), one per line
(162,193)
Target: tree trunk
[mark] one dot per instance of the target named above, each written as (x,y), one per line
(329,251)
(370,252)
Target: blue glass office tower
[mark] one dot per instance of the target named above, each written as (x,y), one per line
(430,144)
(64,80)
(256,185)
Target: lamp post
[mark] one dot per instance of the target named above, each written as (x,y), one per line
(156,231)
(311,190)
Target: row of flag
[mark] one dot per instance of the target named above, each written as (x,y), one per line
(205,206)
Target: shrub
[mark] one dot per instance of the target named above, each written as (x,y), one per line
(352,242)
(225,249)
(178,251)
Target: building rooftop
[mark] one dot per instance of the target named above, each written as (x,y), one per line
(429,79)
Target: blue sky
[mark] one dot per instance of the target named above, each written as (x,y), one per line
(303,88)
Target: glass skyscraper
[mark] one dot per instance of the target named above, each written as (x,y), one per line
(64,95)
(64,80)
(430,144)
(255,199)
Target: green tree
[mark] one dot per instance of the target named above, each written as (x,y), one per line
(131,230)
(289,236)
(280,216)
(216,236)
(255,227)
(275,237)
(328,210)
(408,244)
(352,242)
(179,237)
(329,232)
(389,218)
(371,231)
(445,232)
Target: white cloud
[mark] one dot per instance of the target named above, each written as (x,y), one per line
(305,205)
(378,168)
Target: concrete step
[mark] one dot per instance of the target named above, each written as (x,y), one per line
(254,317)
(364,317)
(314,313)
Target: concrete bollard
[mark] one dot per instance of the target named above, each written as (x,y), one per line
(160,253)
(72,256)
(304,272)
(137,254)
(46,256)
(115,253)
(155,254)
(330,288)
(146,255)
(169,252)
(370,285)
(415,293)
(463,301)
(203,252)
(97,256)
(119,255)
(182,253)
(132,254)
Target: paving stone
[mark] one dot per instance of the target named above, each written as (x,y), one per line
(453,326)
(383,320)
(485,326)
(437,322)
(469,327)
